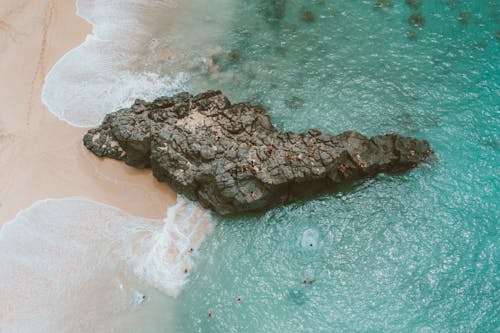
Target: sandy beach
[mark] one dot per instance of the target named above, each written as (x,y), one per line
(41,156)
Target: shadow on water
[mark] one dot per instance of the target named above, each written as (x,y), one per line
(297,296)
(298,194)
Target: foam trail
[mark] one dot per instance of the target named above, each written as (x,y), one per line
(74,265)
(183,231)
(128,55)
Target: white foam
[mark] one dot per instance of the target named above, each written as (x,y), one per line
(183,231)
(128,55)
(102,74)
(74,265)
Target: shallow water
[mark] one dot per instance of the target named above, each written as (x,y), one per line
(74,265)
(129,55)
(415,252)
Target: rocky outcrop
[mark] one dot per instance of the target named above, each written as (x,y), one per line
(230,158)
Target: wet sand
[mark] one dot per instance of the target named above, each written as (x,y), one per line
(41,156)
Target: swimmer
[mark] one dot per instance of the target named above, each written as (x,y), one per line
(239,298)
(308,281)
(209,314)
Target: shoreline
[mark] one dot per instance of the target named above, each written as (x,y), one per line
(44,157)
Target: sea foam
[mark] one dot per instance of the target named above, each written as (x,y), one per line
(137,49)
(102,74)
(72,265)
(166,263)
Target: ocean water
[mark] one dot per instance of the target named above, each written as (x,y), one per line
(416,252)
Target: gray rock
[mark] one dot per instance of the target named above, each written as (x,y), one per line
(231,159)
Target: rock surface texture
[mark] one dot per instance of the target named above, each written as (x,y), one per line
(230,158)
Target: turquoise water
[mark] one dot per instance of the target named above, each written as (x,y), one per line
(418,252)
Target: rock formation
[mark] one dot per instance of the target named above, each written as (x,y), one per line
(230,158)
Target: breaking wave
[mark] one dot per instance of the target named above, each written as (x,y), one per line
(130,54)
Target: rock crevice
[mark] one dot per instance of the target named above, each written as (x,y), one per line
(230,158)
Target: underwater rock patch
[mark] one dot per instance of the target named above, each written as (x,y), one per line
(273,10)
(381,4)
(308,16)
(464,18)
(414,4)
(412,35)
(230,158)
(416,19)
(294,103)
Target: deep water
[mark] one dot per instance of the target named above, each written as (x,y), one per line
(417,252)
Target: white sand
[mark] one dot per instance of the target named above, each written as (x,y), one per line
(68,247)
(41,156)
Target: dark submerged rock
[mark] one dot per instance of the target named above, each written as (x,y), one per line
(230,158)
(294,103)
(273,10)
(416,19)
(221,61)
(381,4)
(412,35)
(308,16)
(235,55)
(464,18)
(414,4)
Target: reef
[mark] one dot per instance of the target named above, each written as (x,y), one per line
(230,158)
